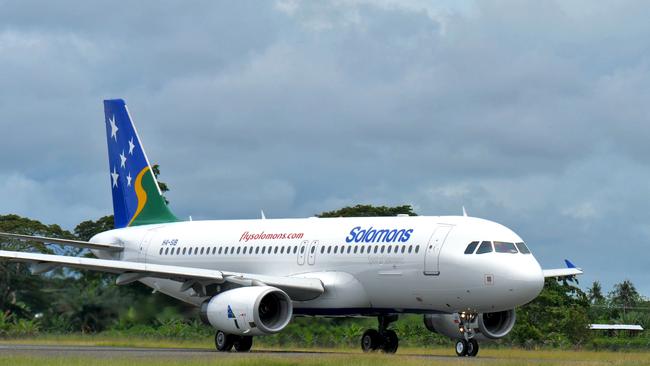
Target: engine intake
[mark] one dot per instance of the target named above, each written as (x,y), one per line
(488,325)
(256,310)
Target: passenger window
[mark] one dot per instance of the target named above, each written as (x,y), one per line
(184,249)
(161,249)
(349,249)
(504,247)
(166,250)
(202,248)
(322,250)
(485,247)
(196,250)
(295,249)
(471,247)
(313,249)
(523,249)
(263,250)
(403,248)
(376,247)
(257,250)
(281,250)
(220,250)
(275,251)
(389,249)
(342,248)
(336,249)
(214,250)
(410,248)
(382,249)
(363,249)
(329,250)
(417,249)
(355,249)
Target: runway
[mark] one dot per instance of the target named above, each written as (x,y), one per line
(105,352)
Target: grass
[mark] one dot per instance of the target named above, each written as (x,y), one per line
(406,356)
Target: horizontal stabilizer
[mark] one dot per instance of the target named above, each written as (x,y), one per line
(72,243)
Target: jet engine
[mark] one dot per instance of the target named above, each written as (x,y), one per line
(486,326)
(255,310)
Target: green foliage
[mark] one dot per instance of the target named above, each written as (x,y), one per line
(90,302)
(369,211)
(88,229)
(558,317)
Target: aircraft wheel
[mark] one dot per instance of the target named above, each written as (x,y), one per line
(243,343)
(472,348)
(223,341)
(370,340)
(461,348)
(391,342)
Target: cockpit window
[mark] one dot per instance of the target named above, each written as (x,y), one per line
(504,247)
(486,247)
(523,249)
(470,248)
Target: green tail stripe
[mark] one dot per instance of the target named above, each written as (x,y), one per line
(155,210)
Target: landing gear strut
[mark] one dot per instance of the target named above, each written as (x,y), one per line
(467,346)
(383,338)
(225,342)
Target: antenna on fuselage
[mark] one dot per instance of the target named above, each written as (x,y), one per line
(263,215)
(464,212)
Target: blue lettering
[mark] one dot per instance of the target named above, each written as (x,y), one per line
(406,236)
(353,234)
(372,235)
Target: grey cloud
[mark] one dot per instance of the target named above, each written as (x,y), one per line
(532,114)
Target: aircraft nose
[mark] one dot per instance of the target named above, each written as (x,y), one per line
(527,280)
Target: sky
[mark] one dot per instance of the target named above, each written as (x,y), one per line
(534,114)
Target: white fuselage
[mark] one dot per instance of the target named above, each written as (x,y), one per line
(368,266)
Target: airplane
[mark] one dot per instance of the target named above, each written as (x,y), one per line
(248,278)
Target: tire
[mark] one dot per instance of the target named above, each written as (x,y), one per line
(391,342)
(243,343)
(370,340)
(223,341)
(461,348)
(472,348)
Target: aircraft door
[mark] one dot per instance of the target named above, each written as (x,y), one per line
(302,252)
(144,245)
(432,253)
(311,258)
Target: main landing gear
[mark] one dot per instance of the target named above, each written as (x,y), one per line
(468,346)
(383,338)
(225,342)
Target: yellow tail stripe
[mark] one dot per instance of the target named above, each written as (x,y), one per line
(140,193)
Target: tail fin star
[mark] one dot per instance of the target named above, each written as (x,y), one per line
(137,199)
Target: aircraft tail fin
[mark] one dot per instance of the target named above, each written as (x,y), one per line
(137,199)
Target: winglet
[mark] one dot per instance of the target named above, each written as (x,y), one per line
(569,264)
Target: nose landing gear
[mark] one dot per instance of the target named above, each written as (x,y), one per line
(383,338)
(467,346)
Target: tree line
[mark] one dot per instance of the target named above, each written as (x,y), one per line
(65,301)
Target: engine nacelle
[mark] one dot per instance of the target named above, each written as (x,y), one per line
(487,325)
(255,310)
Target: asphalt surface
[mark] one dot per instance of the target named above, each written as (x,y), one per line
(170,353)
(106,352)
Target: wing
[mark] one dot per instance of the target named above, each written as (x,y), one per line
(296,288)
(570,270)
(74,243)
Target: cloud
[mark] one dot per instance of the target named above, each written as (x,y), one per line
(531,114)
